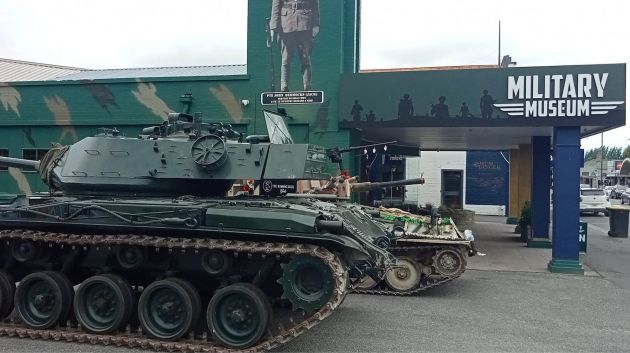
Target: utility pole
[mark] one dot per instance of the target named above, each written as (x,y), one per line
(499,56)
(601,162)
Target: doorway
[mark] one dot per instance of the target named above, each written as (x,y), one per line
(452,189)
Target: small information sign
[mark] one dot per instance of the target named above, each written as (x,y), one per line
(297,97)
(583,236)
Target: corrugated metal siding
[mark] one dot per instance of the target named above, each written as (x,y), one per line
(187,71)
(16,70)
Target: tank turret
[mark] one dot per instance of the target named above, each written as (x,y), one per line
(183,156)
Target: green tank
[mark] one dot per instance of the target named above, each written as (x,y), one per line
(136,243)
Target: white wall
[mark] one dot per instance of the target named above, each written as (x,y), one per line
(431,164)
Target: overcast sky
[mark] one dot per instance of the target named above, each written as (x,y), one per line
(395,33)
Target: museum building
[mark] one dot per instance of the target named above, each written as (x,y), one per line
(530,115)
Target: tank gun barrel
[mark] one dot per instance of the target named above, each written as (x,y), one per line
(19,163)
(366,186)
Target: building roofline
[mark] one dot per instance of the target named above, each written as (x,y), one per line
(41,64)
(432,68)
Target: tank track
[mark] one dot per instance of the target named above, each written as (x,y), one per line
(431,282)
(276,336)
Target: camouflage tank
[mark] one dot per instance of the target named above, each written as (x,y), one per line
(160,258)
(430,250)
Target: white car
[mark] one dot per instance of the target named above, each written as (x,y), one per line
(593,200)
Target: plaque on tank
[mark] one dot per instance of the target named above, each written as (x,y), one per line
(277,187)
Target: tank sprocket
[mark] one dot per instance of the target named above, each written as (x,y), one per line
(306,283)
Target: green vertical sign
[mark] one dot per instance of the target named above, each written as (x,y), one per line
(583,236)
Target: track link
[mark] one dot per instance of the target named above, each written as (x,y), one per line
(274,338)
(432,281)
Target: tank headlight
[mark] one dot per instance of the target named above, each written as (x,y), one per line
(468,234)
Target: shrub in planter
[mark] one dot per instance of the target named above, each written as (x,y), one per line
(525,221)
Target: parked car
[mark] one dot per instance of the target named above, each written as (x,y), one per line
(625,197)
(617,191)
(607,190)
(593,200)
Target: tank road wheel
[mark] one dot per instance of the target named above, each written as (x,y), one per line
(25,250)
(216,263)
(238,315)
(366,282)
(43,299)
(103,303)
(448,262)
(405,277)
(130,257)
(7,291)
(307,282)
(169,309)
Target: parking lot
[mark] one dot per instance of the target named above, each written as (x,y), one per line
(505,302)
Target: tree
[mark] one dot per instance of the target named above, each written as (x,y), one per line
(626,152)
(613,153)
(609,153)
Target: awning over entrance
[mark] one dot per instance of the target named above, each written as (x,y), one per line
(482,108)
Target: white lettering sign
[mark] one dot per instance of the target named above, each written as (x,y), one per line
(557,96)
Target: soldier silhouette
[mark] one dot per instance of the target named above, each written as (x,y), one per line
(370,117)
(486,104)
(405,107)
(297,24)
(440,110)
(463,111)
(356,111)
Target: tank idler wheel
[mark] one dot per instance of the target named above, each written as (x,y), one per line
(7,291)
(104,303)
(448,262)
(44,299)
(216,263)
(366,282)
(168,309)
(238,315)
(405,276)
(130,257)
(25,250)
(306,282)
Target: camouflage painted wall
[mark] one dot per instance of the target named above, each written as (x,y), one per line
(36,114)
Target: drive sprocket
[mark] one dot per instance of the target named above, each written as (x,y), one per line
(306,282)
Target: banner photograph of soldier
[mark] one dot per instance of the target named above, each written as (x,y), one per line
(294,24)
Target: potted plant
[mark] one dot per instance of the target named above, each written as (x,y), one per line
(525,221)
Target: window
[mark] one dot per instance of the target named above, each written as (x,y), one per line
(593,193)
(33,154)
(4,153)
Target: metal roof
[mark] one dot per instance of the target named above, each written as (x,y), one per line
(17,70)
(183,71)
